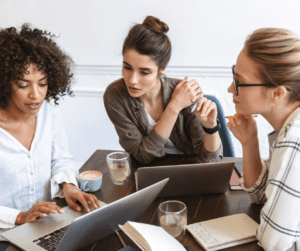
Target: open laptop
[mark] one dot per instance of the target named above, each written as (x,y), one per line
(74,230)
(200,178)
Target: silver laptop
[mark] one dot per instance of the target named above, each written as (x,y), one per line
(74,230)
(200,178)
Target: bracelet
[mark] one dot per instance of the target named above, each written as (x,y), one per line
(212,130)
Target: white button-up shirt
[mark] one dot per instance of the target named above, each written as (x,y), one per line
(279,187)
(29,176)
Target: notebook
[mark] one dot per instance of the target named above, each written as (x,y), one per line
(149,237)
(224,232)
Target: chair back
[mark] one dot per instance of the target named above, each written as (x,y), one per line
(228,150)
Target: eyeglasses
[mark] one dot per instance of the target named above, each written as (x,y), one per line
(237,84)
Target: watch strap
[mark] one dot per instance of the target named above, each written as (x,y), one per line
(212,130)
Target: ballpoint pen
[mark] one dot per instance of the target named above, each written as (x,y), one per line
(235,117)
(195,105)
(120,238)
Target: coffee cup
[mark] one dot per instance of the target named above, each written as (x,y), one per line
(90,181)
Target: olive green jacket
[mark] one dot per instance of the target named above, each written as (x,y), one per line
(131,123)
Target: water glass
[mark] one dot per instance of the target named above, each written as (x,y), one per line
(172,217)
(119,167)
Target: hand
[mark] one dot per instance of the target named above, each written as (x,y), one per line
(72,194)
(206,112)
(243,128)
(38,210)
(185,94)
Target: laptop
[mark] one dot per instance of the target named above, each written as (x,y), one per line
(200,178)
(74,230)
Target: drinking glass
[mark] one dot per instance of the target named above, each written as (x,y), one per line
(119,167)
(172,217)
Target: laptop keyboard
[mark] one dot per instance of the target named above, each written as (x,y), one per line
(51,241)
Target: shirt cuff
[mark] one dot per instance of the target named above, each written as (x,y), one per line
(155,137)
(67,176)
(213,156)
(8,217)
(259,180)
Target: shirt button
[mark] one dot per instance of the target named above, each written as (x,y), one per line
(28,156)
(31,173)
(32,189)
(177,144)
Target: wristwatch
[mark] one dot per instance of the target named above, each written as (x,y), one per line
(212,130)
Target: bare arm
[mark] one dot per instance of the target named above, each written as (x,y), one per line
(244,129)
(184,95)
(252,165)
(206,112)
(212,142)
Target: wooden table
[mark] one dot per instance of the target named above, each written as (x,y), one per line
(200,207)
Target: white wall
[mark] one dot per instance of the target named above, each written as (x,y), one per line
(206,37)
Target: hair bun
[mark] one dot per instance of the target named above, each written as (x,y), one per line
(155,25)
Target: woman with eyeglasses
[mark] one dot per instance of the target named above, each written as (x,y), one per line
(34,159)
(151,112)
(267,82)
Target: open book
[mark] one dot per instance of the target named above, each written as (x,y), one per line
(224,232)
(150,237)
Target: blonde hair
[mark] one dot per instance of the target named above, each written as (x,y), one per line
(277,51)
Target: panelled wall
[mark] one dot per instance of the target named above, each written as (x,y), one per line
(206,38)
(89,128)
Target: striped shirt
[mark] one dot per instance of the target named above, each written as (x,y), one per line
(278,186)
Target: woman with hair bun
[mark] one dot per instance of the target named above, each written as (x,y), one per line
(269,65)
(151,113)
(34,157)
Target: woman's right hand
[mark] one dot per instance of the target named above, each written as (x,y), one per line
(185,93)
(38,210)
(243,128)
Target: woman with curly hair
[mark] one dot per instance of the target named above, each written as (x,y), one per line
(151,112)
(35,161)
(269,66)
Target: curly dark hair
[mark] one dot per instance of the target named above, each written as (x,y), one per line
(19,49)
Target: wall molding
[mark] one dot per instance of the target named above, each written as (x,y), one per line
(173,71)
(86,92)
(115,70)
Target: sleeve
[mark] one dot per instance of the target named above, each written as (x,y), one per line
(142,148)
(257,191)
(62,168)
(197,136)
(279,225)
(8,217)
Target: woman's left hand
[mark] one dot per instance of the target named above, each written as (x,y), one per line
(206,112)
(72,194)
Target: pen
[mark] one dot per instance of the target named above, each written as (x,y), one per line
(120,238)
(235,117)
(195,105)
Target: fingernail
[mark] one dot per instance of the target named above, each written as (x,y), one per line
(44,215)
(78,208)
(54,212)
(61,211)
